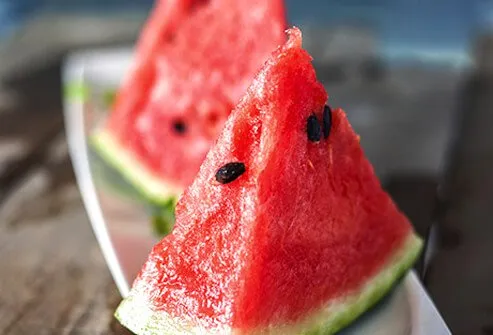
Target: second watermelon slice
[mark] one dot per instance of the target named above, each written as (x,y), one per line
(192,64)
(285,230)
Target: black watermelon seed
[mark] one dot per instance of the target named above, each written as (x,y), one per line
(179,126)
(230,172)
(313,128)
(327,120)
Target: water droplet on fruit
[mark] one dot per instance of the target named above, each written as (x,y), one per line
(327,120)
(313,128)
(230,172)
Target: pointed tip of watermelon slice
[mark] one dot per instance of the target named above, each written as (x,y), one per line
(294,37)
(294,41)
(136,314)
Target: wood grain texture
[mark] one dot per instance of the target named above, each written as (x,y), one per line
(54,279)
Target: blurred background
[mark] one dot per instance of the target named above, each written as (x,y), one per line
(416,78)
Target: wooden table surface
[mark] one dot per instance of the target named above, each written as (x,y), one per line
(53,279)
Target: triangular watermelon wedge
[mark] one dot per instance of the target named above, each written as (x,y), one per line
(285,230)
(193,62)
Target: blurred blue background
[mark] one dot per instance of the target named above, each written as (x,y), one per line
(437,29)
(14,12)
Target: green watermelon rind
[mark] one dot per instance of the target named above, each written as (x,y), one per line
(120,172)
(76,91)
(150,187)
(135,313)
(107,149)
(140,185)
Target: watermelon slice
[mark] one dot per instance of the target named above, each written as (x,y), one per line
(193,62)
(285,230)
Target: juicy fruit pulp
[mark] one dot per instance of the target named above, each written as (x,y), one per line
(305,240)
(193,62)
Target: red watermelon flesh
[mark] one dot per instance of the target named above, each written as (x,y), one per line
(194,61)
(159,29)
(304,240)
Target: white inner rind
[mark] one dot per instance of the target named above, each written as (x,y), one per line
(136,314)
(152,187)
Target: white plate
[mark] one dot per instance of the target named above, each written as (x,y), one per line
(124,233)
